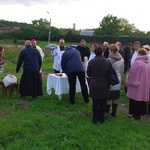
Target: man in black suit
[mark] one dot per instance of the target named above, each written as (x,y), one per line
(106,49)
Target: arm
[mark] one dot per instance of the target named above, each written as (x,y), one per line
(19,63)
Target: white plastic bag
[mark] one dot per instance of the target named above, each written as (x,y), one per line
(9,79)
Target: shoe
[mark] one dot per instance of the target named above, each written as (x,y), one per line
(35,98)
(87,101)
(101,121)
(137,117)
(113,115)
(94,121)
(72,102)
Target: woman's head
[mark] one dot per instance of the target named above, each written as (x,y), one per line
(1,50)
(113,48)
(98,51)
(142,51)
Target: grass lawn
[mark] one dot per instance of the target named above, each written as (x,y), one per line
(50,124)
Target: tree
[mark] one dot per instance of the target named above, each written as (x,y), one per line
(127,28)
(110,25)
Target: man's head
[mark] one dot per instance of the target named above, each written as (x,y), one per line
(27,43)
(118,44)
(136,45)
(105,44)
(94,46)
(33,43)
(83,43)
(61,42)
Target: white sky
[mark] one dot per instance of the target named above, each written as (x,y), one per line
(84,13)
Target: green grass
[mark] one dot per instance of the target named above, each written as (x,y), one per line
(50,124)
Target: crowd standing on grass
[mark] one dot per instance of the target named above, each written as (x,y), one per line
(82,63)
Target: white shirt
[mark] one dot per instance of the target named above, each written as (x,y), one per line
(57,53)
(90,58)
(135,54)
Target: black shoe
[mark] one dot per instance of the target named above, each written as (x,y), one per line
(87,101)
(113,115)
(94,121)
(101,121)
(72,102)
(35,98)
(137,117)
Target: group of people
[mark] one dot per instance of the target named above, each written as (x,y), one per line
(92,67)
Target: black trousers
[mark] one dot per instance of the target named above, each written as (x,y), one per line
(98,109)
(126,65)
(72,85)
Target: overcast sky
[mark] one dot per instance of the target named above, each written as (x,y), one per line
(84,13)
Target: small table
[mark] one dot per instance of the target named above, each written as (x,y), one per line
(60,85)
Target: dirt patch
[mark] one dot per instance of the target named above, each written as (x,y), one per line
(23,104)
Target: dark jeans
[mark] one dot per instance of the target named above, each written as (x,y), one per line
(126,65)
(72,86)
(98,109)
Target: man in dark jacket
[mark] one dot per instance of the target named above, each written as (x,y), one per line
(127,57)
(83,49)
(72,65)
(106,49)
(30,80)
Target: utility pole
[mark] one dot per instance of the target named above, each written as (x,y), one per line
(49,32)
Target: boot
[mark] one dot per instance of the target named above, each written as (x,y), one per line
(107,108)
(149,107)
(114,109)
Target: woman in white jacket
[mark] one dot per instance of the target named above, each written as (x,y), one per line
(118,64)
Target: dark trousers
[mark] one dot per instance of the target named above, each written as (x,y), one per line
(98,109)
(126,65)
(72,85)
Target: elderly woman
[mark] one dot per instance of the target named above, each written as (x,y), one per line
(118,64)
(138,85)
(99,84)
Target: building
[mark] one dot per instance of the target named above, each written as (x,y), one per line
(8,29)
(87,32)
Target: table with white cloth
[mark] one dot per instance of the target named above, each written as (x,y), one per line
(60,85)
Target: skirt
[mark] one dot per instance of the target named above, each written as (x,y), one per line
(114,95)
(137,108)
(30,84)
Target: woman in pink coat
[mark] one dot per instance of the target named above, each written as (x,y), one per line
(138,82)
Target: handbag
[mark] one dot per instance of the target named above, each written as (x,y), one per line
(113,78)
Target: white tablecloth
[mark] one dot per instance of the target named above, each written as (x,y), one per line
(60,85)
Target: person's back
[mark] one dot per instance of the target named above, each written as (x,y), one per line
(31,59)
(71,61)
(72,65)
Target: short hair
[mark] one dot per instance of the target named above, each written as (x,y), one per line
(137,42)
(61,40)
(106,43)
(142,51)
(113,48)
(129,44)
(98,51)
(27,43)
(82,40)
